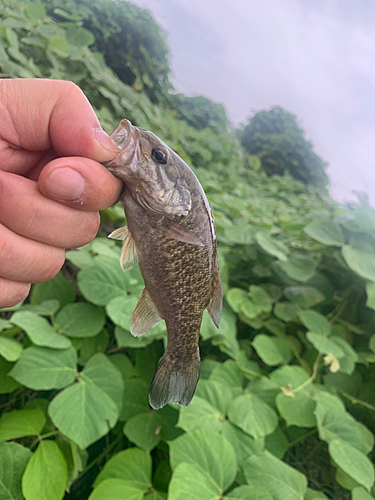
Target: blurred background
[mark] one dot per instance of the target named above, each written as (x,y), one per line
(315,59)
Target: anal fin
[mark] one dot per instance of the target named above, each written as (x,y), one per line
(145,315)
(216,302)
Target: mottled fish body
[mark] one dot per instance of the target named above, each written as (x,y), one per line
(171,234)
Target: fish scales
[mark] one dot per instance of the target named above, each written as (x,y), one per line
(176,249)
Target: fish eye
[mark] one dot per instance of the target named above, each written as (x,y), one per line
(159,156)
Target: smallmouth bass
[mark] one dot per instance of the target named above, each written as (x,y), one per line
(170,232)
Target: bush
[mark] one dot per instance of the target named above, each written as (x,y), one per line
(275,137)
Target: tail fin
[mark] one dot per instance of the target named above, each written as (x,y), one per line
(172,383)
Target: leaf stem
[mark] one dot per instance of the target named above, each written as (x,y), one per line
(104,454)
(356,401)
(311,379)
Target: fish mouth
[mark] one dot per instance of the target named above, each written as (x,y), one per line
(126,136)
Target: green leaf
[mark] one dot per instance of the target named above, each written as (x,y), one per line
(299,268)
(336,425)
(250,493)
(260,298)
(80,320)
(228,374)
(103,282)
(35,10)
(135,398)
(273,351)
(297,410)
(39,330)
(13,460)
(235,297)
(240,234)
(59,46)
(271,246)
(200,414)
(116,489)
(252,415)
(125,339)
(7,384)
(46,308)
(303,296)
(120,310)
(276,443)
(325,345)
(353,462)
(190,482)
(20,423)
(46,473)
(123,364)
(315,322)
(81,37)
(371,343)
(211,452)
(281,481)
(370,291)
(347,362)
(361,494)
(57,288)
(10,349)
(286,311)
(132,465)
(359,261)
(144,430)
(42,369)
(87,410)
(327,233)
(243,444)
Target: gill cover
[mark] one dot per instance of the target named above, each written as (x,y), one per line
(151,171)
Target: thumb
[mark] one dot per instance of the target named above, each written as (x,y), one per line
(41,114)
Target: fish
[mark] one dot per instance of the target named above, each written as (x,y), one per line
(170,233)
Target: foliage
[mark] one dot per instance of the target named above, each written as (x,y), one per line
(200,112)
(285,405)
(131,42)
(276,139)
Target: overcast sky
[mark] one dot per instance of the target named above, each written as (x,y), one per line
(315,58)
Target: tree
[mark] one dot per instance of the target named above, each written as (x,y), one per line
(129,38)
(200,112)
(275,137)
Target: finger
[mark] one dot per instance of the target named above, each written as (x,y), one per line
(82,183)
(12,292)
(25,211)
(37,115)
(27,260)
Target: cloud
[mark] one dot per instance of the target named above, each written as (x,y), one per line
(316,59)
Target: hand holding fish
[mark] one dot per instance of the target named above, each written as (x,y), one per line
(51,182)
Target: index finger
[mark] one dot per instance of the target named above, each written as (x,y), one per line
(37,115)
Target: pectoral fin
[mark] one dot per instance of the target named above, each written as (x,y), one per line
(145,315)
(119,234)
(215,305)
(129,255)
(180,233)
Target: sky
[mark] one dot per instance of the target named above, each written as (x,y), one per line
(315,58)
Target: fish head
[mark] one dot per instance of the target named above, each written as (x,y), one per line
(153,173)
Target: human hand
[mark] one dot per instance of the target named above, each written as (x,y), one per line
(51,182)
